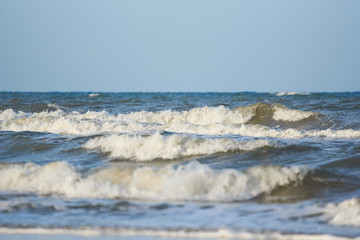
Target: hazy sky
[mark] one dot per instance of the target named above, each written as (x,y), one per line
(180,45)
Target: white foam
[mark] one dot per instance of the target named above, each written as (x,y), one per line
(58,178)
(54,122)
(196,116)
(94,94)
(282,113)
(291,93)
(157,146)
(75,122)
(204,121)
(192,181)
(346,133)
(52,105)
(222,233)
(344,213)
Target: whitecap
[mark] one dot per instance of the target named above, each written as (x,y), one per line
(222,233)
(52,105)
(345,213)
(157,146)
(193,181)
(291,93)
(282,113)
(203,121)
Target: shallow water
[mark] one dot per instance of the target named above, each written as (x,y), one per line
(180,165)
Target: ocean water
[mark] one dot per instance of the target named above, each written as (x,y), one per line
(180,165)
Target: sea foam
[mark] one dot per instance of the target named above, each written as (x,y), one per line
(246,121)
(282,113)
(291,93)
(157,146)
(191,181)
(222,233)
(346,213)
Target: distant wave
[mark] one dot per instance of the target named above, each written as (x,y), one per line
(53,106)
(291,93)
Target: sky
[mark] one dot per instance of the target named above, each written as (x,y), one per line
(180,45)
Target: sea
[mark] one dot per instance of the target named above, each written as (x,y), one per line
(242,165)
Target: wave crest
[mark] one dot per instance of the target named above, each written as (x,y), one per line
(193,181)
(258,120)
(280,94)
(265,114)
(346,212)
(157,146)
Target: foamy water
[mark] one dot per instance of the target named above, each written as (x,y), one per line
(172,234)
(180,165)
(157,146)
(193,181)
(291,93)
(213,121)
(345,213)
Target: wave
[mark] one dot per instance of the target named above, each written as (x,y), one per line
(197,116)
(16,204)
(258,120)
(193,181)
(345,213)
(271,114)
(282,113)
(54,122)
(157,146)
(222,233)
(291,93)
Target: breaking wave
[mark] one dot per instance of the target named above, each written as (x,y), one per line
(345,213)
(291,93)
(193,181)
(257,120)
(222,233)
(272,114)
(157,146)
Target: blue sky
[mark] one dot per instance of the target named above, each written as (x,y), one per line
(180,45)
